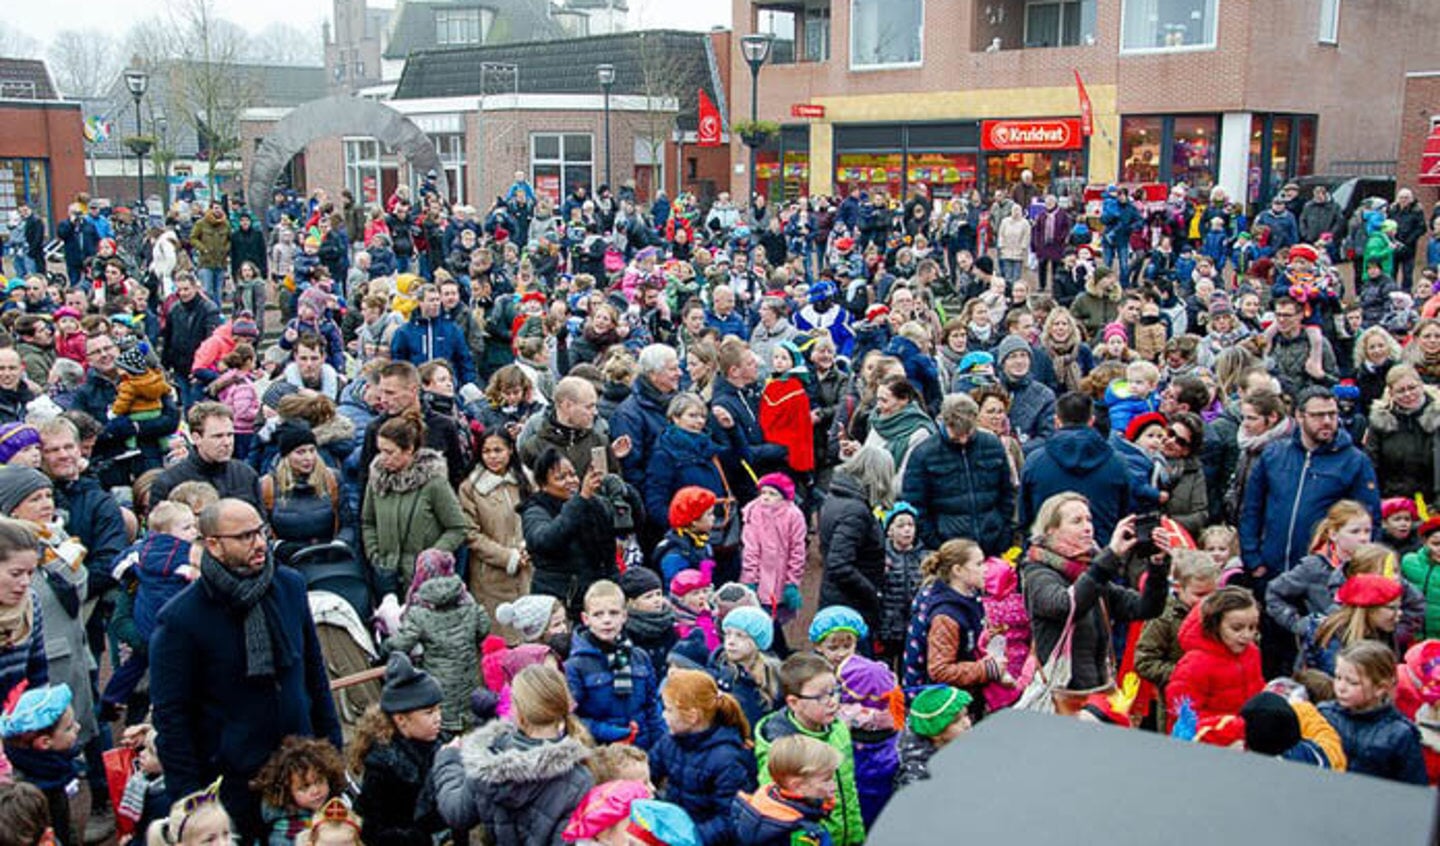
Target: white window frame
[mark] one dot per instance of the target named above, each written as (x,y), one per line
(560,161)
(447,20)
(1329,22)
(1029,4)
(797,19)
(1213,44)
(359,163)
(803,50)
(450,147)
(919,61)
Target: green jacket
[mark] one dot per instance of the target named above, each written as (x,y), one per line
(844,823)
(449,628)
(409,512)
(1424,575)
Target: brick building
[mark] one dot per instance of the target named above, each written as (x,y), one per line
(1419,117)
(42,143)
(1240,93)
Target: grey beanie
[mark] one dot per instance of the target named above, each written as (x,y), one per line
(1010,345)
(529,615)
(17,483)
(406,688)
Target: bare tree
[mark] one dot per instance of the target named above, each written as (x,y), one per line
(283,43)
(84,62)
(151,42)
(669,84)
(211,92)
(15,44)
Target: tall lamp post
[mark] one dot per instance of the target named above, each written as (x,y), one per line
(756,49)
(606,74)
(137,80)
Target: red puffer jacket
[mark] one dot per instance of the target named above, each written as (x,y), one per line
(1215,680)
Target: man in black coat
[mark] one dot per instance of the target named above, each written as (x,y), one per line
(1410,222)
(191,319)
(91,513)
(236,667)
(96,396)
(960,482)
(211,458)
(81,241)
(247,243)
(32,235)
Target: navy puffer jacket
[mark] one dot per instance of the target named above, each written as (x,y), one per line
(962,491)
(1379,742)
(705,770)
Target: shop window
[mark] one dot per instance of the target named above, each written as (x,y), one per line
(869,172)
(944,175)
(1194,151)
(1329,21)
(817,34)
(1059,23)
(886,33)
(779,23)
(25,180)
(1141,140)
(1168,24)
(1304,146)
(561,163)
(362,168)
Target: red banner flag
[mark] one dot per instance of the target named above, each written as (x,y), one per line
(709,122)
(1087,112)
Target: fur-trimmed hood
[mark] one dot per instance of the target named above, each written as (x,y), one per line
(1093,289)
(497,754)
(1383,416)
(428,464)
(486,482)
(337,428)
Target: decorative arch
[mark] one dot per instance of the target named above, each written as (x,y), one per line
(340,116)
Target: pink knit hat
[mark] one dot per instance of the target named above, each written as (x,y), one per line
(1115,329)
(603,806)
(687,581)
(780,482)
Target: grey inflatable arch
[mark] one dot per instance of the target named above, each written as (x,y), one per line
(340,116)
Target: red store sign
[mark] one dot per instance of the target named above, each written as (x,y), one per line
(1006,135)
(807,110)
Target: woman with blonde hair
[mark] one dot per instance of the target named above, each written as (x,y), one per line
(1066,577)
(1376,351)
(1404,435)
(520,779)
(1069,354)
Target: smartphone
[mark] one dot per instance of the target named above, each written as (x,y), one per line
(1145,526)
(598,458)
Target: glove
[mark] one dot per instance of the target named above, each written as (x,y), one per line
(790,598)
(119,427)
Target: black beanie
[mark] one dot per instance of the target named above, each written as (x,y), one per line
(638,581)
(293,434)
(985,265)
(406,688)
(1271,726)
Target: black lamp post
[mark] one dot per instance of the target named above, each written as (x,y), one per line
(606,74)
(137,80)
(756,49)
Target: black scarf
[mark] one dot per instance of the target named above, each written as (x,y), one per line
(617,658)
(243,597)
(651,628)
(44,768)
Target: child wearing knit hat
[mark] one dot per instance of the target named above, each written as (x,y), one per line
(938,715)
(141,393)
(603,815)
(687,545)
(40,731)
(394,747)
(873,706)
(836,632)
(1398,516)
(743,667)
(1115,345)
(534,618)
(773,546)
(692,600)
(20,445)
(903,554)
(649,619)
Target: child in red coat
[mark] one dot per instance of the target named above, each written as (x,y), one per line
(1220,669)
(785,407)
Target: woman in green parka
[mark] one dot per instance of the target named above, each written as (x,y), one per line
(409,506)
(1421,569)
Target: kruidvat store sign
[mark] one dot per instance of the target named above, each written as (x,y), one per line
(1029,135)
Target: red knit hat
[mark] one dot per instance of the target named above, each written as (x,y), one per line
(1396,504)
(1368,590)
(1306,252)
(1142,422)
(690,504)
(1430,527)
(1221,730)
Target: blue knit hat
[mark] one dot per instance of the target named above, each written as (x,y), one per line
(37,709)
(838,618)
(901,507)
(753,622)
(653,821)
(976,359)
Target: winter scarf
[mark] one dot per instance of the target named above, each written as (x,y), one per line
(1066,360)
(897,428)
(650,627)
(1255,443)
(617,659)
(1069,558)
(687,621)
(44,768)
(243,596)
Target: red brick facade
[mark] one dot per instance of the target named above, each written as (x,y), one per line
(1420,112)
(52,131)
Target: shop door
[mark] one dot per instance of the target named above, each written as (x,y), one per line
(1002,170)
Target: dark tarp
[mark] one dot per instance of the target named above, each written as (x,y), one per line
(1023,778)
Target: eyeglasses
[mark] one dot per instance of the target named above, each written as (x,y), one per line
(1321,415)
(1412,388)
(832,693)
(247,537)
(1184,442)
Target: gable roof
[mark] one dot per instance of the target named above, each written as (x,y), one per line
(26,79)
(412,26)
(677,63)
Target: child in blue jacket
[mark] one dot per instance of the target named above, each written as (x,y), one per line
(613,683)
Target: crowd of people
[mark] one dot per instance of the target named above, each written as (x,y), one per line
(694,523)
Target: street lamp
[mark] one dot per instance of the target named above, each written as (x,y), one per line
(756,49)
(137,80)
(606,74)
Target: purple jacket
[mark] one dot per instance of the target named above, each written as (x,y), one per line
(1049,234)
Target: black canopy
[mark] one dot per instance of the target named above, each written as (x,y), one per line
(1022,778)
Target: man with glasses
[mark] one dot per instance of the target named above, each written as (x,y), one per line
(1291,486)
(96,396)
(235,667)
(211,458)
(1290,349)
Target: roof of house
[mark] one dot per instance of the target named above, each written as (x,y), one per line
(664,63)
(26,79)
(263,85)
(412,26)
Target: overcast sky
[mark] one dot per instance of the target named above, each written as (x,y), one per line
(42,20)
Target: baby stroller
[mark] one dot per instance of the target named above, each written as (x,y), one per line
(349,658)
(334,567)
